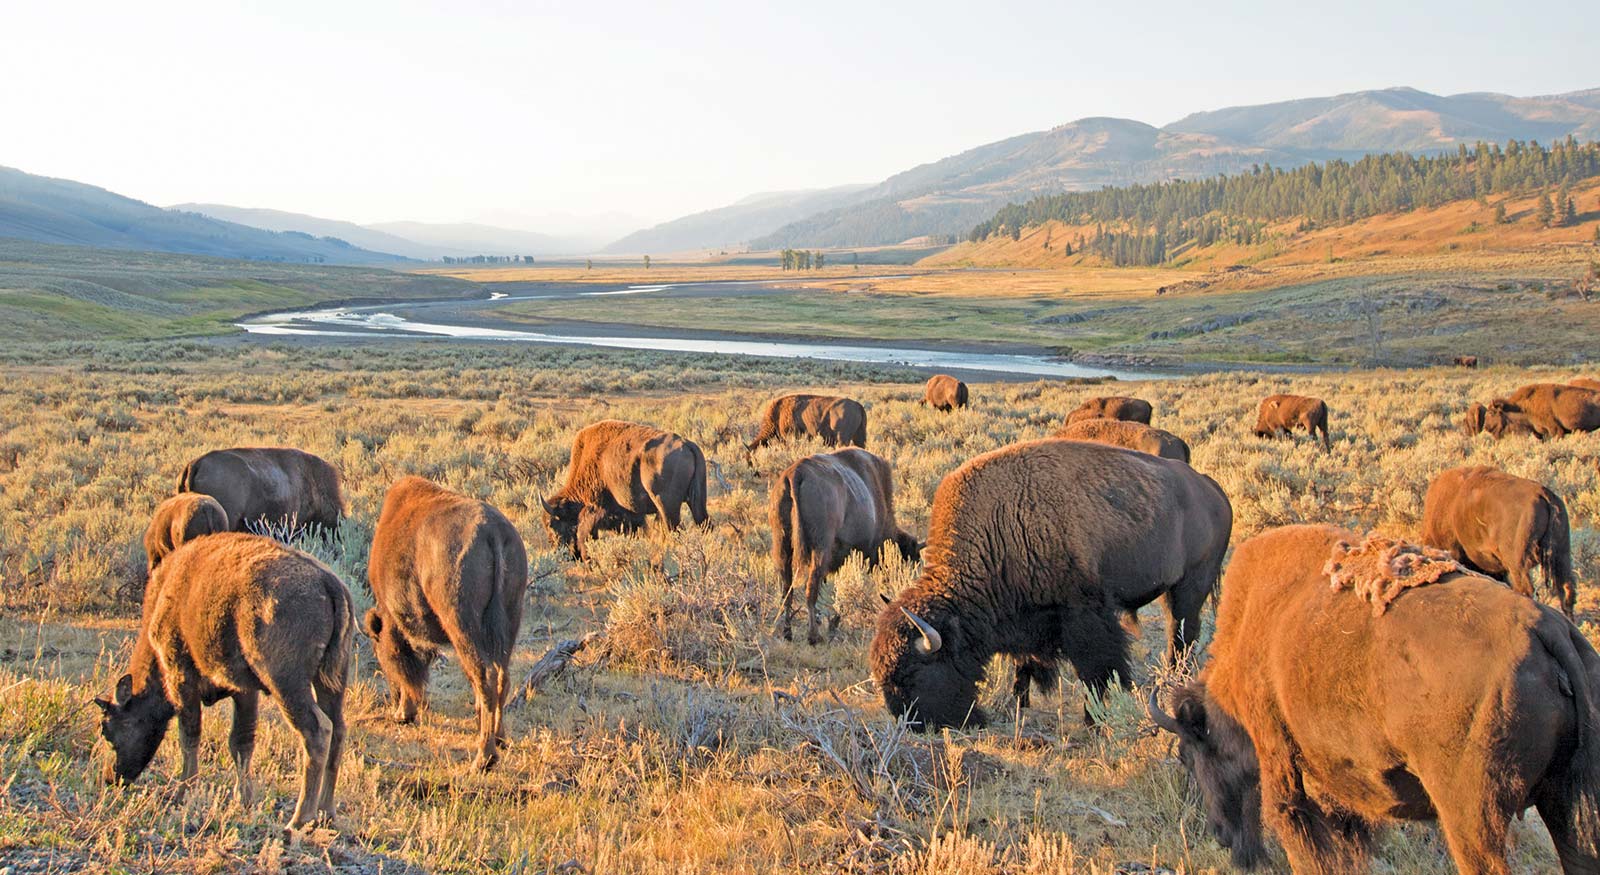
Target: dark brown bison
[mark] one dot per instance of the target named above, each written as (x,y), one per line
(1111,407)
(837,422)
(1037,550)
(1282,414)
(1589,383)
(178,520)
(273,485)
(1502,526)
(1462,702)
(1465,361)
(822,509)
(944,392)
(621,474)
(446,570)
(231,616)
(1551,410)
(1129,436)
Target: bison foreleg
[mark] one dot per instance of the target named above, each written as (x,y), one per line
(1097,647)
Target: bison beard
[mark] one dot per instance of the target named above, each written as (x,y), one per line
(1012,535)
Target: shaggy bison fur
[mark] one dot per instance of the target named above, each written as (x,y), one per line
(837,422)
(822,509)
(944,392)
(1281,414)
(1463,702)
(1128,435)
(1036,551)
(622,473)
(231,616)
(178,520)
(446,570)
(268,484)
(1503,526)
(1551,410)
(1112,407)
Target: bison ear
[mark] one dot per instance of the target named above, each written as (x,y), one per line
(106,705)
(373,623)
(124,689)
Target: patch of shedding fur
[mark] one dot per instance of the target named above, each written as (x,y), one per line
(1381,568)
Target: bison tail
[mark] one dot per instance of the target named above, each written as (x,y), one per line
(334,672)
(186,479)
(697,489)
(785,519)
(1555,553)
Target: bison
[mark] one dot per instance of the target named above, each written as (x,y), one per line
(1551,410)
(822,509)
(1282,414)
(446,570)
(1111,407)
(943,392)
(1501,525)
(837,422)
(233,615)
(1465,361)
(268,484)
(1462,702)
(1128,435)
(622,473)
(1036,551)
(1504,422)
(178,520)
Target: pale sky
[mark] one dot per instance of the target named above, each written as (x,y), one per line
(376,111)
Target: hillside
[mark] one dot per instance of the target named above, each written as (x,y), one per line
(736,223)
(45,210)
(477,239)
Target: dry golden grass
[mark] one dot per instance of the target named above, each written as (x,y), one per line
(687,739)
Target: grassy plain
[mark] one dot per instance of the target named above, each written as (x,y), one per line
(687,739)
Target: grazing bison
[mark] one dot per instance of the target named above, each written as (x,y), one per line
(231,616)
(1037,550)
(822,509)
(446,570)
(622,473)
(1503,526)
(1478,419)
(1282,414)
(837,422)
(272,485)
(178,520)
(1551,410)
(1465,361)
(1112,407)
(1589,383)
(945,392)
(1461,702)
(1128,435)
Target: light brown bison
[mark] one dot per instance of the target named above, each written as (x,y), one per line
(178,520)
(1503,526)
(1506,423)
(1128,435)
(621,474)
(446,570)
(1551,410)
(231,616)
(1111,407)
(944,392)
(837,422)
(1461,702)
(822,509)
(1281,414)
(1465,361)
(1036,551)
(274,485)
(1589,383)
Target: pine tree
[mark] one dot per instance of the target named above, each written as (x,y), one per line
(1500,213)
(647,262)
(1546,214)
(1569,213)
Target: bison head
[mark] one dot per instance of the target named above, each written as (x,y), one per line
(561,518)
(134,724)
(925,670)
(1221,758)
(910,548)
(1503,417)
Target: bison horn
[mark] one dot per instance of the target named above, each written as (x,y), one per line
(1162,718)
(931,641)
(548,507)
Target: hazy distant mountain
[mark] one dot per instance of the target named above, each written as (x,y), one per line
(45,210)
(410,239)
(751,217)
(474,239)
(278,220)
(951,195)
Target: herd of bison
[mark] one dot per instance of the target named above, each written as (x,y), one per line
(1351,680)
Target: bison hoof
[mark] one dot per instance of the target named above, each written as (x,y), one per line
(483,763)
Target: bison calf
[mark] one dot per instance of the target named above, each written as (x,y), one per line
(621,474)
(822,509)
(1281,414)
(1128,435)
(837,422)
(178,520)
(1112,407)
(945,393)
(230,616)
(1501,525)
(446,570)
(268,484)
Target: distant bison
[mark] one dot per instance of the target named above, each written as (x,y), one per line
(822,509)
(1037,551)
(1112,407)
(620,474)
(1551,410)
(229,616)
(446,570)
(178,520)
(1128,435)
(274,485)
(1465,361)
(945,392)
(837,422)
(1462,702)
(1501,525)
(1589,383)
(1282,414)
